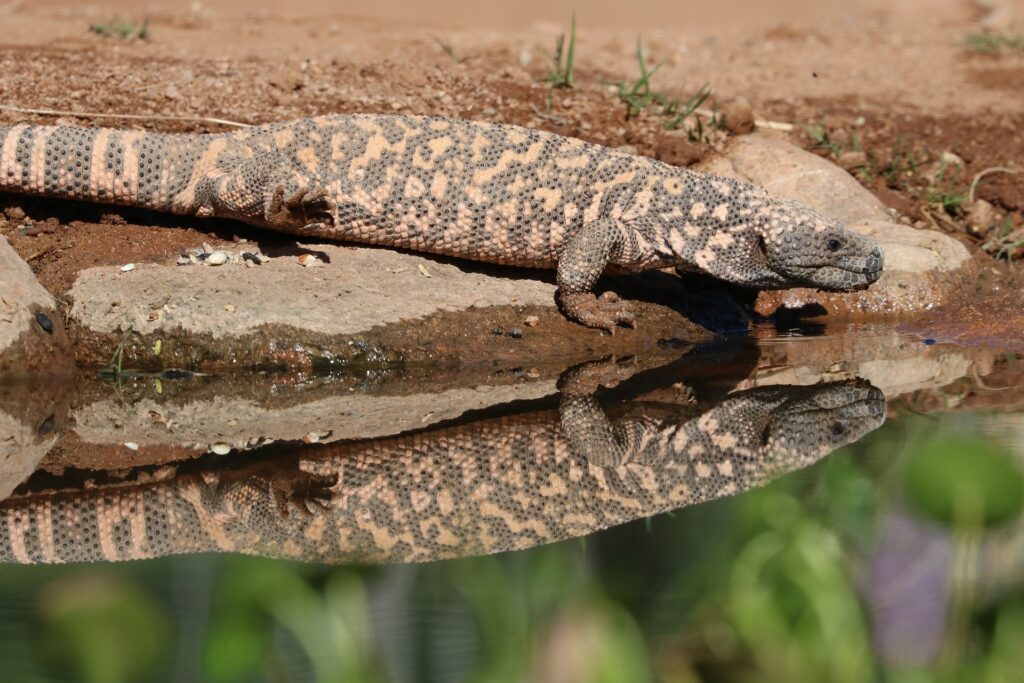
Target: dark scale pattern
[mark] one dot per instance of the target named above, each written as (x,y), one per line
(485,487)
(495,193)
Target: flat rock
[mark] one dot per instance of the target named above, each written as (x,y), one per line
(353,290)
(923,268)
(242,423)
(897,363)
(350,305)
(32,337)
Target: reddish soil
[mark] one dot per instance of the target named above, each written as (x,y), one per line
(897,83)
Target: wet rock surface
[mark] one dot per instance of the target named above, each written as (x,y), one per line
(152,421)
(924,269)
(32,337)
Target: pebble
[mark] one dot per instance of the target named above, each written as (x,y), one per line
(44,322)
(951,159)
(738,116)
(981,216)
(217,258)
(207,248)
(531,321)
(220,448)
(852,160)
(127,267)
(131,445)
(308,261)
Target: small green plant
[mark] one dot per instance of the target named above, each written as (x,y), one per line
(1007,243)
(125,30)
(819,136)
(679,111)
(638,95)
(989,43)
(901,167)
(562,74)
(448,50)
(944,191)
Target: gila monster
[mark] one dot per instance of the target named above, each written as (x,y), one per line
(488,192)
(487,486)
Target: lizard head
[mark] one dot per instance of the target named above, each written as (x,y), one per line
(802,248)
(813,421)
(784,427)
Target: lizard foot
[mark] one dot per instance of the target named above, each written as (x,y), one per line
(584,379)
(310,207)
(306,492)
(604,312)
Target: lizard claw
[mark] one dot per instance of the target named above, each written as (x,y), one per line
(584,379)
(308,207)
(306,492)
(604,313)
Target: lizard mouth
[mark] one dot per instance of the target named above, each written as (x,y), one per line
(848,275)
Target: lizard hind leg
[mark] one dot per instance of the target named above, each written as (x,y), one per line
(266,189)
(307,206)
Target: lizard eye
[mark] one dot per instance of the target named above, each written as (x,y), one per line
(833,244)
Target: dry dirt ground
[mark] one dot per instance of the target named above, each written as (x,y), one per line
(910,95)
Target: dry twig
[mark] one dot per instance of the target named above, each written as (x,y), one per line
(128,117)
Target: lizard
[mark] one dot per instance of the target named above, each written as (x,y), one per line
(486,486)
(488,192)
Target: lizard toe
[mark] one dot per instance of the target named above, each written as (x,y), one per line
(605,313)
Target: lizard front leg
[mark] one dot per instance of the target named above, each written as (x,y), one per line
(584,257)
(587,428)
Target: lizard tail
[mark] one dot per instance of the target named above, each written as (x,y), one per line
(130,168)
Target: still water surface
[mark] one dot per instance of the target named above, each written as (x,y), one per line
(829,507)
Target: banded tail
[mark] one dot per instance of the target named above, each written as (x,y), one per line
(130,168)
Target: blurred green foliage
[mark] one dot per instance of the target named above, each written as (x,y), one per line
(763,586)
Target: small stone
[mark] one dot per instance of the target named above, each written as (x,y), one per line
(852,160)
(185,260)
(531,321)
(738,116)
(981,216)
(628,149)
(229,308)
(131,445)
(951,159)
(220,448)
(677,149)
(217,258)
(44,322)
(311,437)
(516,332)
(308,261)
(127,267)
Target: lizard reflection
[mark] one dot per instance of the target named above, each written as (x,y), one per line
(484,487)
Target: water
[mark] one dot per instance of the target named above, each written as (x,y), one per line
(816,507)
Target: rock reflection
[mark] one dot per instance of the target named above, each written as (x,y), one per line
(484,486)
